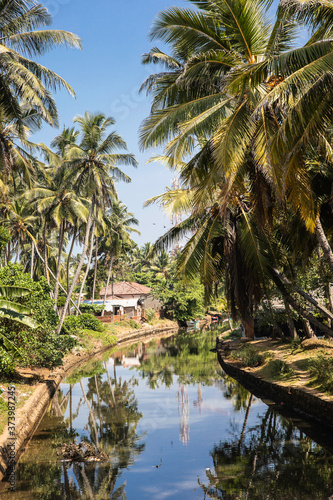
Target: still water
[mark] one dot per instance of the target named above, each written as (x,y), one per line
(173,426)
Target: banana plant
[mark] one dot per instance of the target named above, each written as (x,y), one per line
(14,311)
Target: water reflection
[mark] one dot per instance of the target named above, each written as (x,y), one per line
(270,460)
(172,426)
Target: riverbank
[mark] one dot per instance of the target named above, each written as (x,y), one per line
(35,387)
(282,372)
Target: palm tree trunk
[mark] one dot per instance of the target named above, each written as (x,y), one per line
(95,271)
(323,242)
(61,243)
(68,261)
(88,264)
(241,439)
(297,307)
(17,250)
(291,324)
(79,267)
(110,385)
(32,259)
(91,413)
(305,295)
(307,329)
(45,256)
(60,286)
(107,282)
(69,257)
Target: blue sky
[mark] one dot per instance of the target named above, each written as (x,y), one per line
(106,76)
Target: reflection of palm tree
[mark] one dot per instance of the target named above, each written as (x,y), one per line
(198,402)
(91,414)
(245,421)
(183,408)
(110,385)
(236,392)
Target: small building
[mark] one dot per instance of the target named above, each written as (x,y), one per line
(118,309)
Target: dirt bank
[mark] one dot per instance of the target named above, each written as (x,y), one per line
(29,416)
(294,390)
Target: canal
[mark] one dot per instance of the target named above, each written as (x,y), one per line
(169,424)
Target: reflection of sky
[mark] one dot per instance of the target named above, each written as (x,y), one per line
(182,463)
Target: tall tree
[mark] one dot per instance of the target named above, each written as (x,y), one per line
(23,36)
(91,170)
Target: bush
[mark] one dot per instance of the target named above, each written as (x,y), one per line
(247,356)
(40,346)
(133,324)
(321,370)
(91,308)
(150,314)
(61,301)
(74,324)
(7,363)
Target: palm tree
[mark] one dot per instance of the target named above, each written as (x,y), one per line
(18,167)
(63,207)
(23,35)
(214,111)
(21,222)
(91,170)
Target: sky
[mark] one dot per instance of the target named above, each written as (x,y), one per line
(106,76)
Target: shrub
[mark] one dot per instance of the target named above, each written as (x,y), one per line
(321,370)
(247,356)
(133,324)
(7,363)
(91,308)
(89,322)
(61,301)
(74,324)
(150,314)
(40,346)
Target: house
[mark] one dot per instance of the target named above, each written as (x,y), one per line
(128,300)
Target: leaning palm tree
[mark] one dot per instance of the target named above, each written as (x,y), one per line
(23,36)
(92,169)
(223,109)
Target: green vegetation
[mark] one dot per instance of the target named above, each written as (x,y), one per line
(254,192)
(247,356)
(184,302)
(243,114)
(39,346)
(277,369)
(321,371)
(91,308)
(73,324)
(189,357)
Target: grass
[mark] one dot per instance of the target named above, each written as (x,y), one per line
(247,356)
(88,338)
(277,369)
(321,373)
(233,334)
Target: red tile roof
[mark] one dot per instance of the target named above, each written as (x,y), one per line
(126,288)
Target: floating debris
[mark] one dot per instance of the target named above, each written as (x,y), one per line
(81,452)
